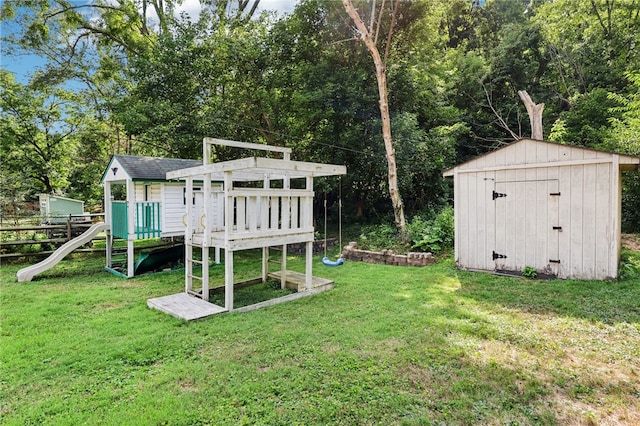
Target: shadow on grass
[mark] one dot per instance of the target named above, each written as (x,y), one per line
(609,302)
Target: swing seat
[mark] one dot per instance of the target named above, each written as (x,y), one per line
(327,262)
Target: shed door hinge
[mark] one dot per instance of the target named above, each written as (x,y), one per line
(554,260)
(498,195)
(557,228)
(555,194)
(498,256)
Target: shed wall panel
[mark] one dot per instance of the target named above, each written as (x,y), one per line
(603,233)
(173,209)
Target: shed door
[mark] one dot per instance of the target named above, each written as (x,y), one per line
(527,225)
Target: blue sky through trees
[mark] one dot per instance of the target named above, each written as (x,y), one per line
(23,65)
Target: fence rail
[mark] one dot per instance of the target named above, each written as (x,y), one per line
(22,232)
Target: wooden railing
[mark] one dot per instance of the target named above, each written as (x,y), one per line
(257,212)
(147,219)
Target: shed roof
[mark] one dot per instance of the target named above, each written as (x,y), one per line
(530,153)
(149,168)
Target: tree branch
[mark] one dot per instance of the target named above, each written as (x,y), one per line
(501,120)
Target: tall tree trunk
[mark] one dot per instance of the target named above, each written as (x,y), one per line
(535,114)
(381,76)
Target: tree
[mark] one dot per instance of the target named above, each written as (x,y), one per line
(624,136)
(370,38)
(37,133)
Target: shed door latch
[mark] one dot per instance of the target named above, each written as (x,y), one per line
(498,195)
(498,256)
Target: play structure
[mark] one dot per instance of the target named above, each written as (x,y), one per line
(229,206)
(249,203)
(27,274)
(140,203)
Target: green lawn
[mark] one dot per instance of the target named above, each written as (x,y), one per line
(388,345)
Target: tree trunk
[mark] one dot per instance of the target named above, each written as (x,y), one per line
(381,76)
(535,114)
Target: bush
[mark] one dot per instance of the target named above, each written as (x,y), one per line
(429,235)
(433,235)
(379,237)
(629,265)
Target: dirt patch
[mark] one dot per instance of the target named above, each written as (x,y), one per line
(631,241)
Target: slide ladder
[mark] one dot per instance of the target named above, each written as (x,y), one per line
(26,274)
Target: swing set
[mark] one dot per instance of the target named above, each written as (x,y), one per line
(325,260)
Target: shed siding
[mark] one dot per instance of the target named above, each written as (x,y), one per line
(174,209)
(475,220)
(148,191)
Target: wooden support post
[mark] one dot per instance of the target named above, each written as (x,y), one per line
(228,253)
(109,248)
(308,269)
(265,263)
(283,268)
(228,280)
(188,267)
(131,224)
(188,235)
(263,221)
(108,221)
(205,273)
(130,259)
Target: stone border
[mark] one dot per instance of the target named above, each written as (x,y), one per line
(386,257)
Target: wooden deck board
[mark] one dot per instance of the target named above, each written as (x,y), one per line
(185,307)
(297,280)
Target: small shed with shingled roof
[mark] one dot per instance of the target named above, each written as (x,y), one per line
(141,203)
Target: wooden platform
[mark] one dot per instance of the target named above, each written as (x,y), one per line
(295,281)
(191,308)
(185,307)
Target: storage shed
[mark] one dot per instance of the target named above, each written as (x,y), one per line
(552,207)
(55,209)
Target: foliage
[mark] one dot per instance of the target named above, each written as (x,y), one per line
(379,237)
(587,123)
(529,272)
(388,345)
(629,265)
(433,235)
(37,132)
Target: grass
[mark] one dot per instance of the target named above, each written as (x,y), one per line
(388,345)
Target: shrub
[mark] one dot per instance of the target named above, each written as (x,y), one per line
(435,235)
(529,272)
(378,237)
(629,265)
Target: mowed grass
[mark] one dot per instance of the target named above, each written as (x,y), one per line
(388,345)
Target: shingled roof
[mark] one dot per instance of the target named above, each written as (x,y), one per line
(151,168)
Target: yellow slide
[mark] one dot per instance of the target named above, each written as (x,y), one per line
(26,274)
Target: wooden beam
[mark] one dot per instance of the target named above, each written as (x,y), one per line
(246,145)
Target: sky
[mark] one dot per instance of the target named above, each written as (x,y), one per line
(23,66)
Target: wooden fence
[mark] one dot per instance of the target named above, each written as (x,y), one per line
(17,233)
